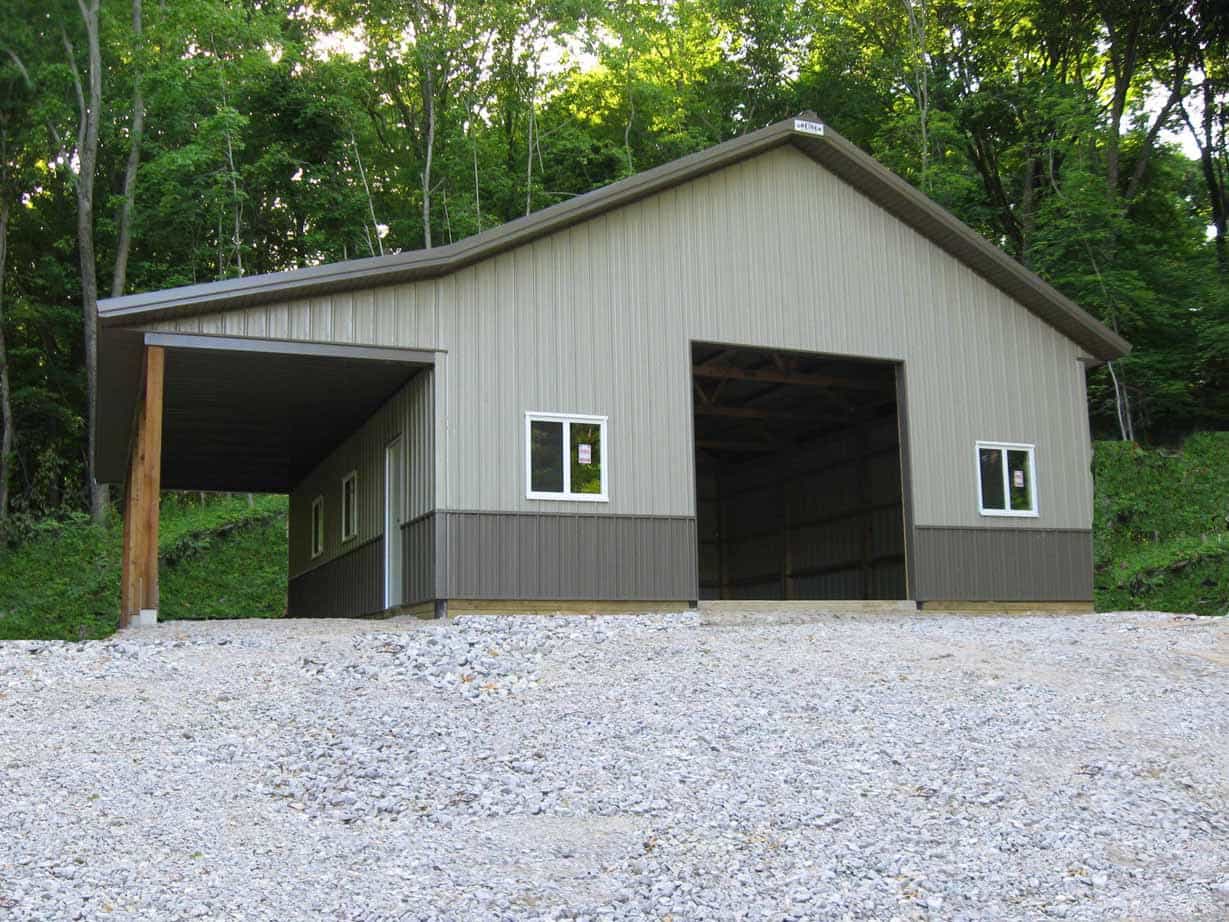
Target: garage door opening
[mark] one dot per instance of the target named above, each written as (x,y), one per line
(798,475)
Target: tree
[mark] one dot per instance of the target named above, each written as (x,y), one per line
(128,198)
(89,112)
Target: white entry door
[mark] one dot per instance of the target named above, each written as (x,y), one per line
(394,480)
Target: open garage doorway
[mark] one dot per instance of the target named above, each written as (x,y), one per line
(798,475)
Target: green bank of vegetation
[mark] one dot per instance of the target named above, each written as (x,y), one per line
(1162,526)
(221,557)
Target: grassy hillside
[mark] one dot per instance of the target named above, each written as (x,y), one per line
(1161,530)
(220,558)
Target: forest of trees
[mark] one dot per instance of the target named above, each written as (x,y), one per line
(152,143)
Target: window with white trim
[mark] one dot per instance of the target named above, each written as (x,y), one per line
(317,526)
(1006,479)
(349,506)
(565,457)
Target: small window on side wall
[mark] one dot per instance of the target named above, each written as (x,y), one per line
(317,526)
(349,506)
(1006,479)
(565,457)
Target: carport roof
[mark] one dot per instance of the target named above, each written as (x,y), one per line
(244,415)
(817,141)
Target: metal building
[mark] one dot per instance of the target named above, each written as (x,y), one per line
(770,370)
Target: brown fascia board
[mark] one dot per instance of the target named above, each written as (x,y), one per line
(828,149)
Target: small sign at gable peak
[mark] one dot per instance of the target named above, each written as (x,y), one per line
(807,126)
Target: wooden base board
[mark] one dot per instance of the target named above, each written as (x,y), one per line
(818,606)
(1051,608)
(424,610)
(430,609)
(417,610)
(561,607)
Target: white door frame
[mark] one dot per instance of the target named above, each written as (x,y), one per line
(392,516)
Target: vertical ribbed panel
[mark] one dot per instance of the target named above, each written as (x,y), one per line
(773,252)
(418,562)
(410,414)
(590,557)
(346,587)
(1003,564)
(400,315)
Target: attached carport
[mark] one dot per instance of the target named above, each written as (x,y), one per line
(195,412)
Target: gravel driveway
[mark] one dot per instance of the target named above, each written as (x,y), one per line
(872,767)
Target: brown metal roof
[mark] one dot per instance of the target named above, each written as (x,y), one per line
(828,148)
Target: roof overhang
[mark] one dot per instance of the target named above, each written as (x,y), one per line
(243,415)
(817,141)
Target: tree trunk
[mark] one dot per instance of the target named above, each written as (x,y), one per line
(89,104)
(371,205)
(429,105)
(8,432)
(916,12)
(1217,198)
(124,239)
(236,207)
(426,66)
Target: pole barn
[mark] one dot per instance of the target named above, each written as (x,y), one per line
(771,370)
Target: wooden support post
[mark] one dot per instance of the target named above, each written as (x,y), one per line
(139,576)
(151,468)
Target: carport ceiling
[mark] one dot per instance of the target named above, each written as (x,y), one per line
(256,416)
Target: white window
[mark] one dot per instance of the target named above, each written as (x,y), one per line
(349,506)
(565,457)
(1006,479)
(317,526)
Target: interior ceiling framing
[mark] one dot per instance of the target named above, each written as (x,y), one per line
(750,401)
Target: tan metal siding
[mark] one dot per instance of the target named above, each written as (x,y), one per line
(391,316)
(410,414)
(773,252)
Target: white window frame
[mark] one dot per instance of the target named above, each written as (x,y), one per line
(567,495)
(317,527)
(349,529)
(1005,447)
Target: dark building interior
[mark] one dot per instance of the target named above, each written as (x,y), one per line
(798,475)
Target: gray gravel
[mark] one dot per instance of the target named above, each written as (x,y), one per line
(885,767)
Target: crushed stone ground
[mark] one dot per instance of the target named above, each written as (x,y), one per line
(628,767)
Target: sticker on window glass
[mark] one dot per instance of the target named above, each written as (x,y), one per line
(1017,479)
(584,453)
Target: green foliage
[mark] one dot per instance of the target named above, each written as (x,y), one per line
(280,135)
(220,557)
(1161,537)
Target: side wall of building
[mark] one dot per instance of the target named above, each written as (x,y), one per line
(348,577)
(774,252)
